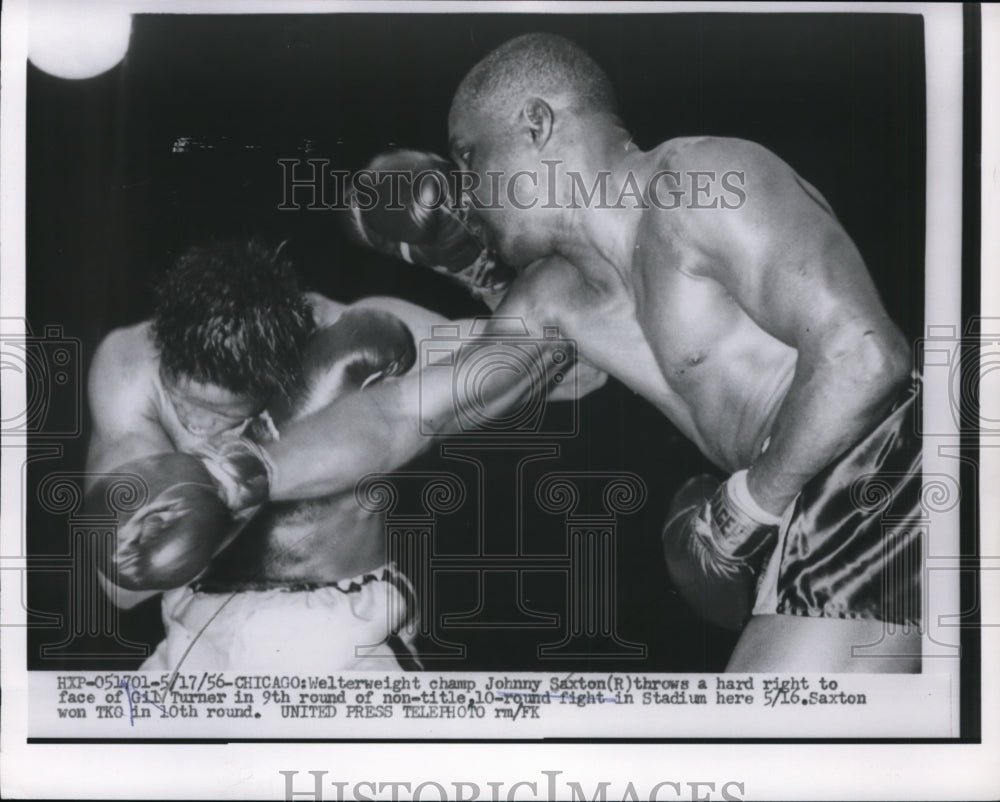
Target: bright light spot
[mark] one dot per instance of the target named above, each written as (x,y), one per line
(77,39)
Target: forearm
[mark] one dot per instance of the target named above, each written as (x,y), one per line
(382,427)
(373,431)
(106,452)
(841,389)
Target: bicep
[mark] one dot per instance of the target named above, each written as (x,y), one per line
(540,294)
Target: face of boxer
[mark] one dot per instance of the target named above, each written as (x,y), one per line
(513,191)
(205,409)
(228,328)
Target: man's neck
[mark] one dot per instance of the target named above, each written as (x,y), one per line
(600,237)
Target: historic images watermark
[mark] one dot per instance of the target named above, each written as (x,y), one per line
(313,185)
(550,786)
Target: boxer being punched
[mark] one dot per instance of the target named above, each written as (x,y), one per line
(744,312)
(231,334)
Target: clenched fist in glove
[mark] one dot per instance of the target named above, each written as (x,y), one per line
(409,210)
(715,540)
(174,534)
(363,346)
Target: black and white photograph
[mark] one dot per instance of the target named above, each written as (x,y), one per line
(499,400)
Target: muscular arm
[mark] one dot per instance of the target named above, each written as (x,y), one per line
(794,270)
(386,425)
(580,379)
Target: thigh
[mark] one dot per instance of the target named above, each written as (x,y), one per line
(791,643)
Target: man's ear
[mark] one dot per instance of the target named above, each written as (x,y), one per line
(538,118)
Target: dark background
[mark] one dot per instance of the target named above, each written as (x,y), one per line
(181,143)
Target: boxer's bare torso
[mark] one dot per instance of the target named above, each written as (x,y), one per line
(672,333)
(720,379)
(664,320)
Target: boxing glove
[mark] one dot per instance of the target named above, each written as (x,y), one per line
(173,535)
(362,346)
(407,208)
(715,541)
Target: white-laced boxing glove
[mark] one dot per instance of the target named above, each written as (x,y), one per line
(715,540)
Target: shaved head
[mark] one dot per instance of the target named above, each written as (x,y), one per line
(536,64)
(536,101)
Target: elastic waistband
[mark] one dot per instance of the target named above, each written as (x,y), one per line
(388,573)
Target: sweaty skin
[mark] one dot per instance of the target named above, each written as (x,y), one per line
(756,330)
(706,311)
(135,414)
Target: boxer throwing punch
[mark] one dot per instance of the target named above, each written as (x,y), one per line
(743,312)
(748,318)
(298,581)
(752,324)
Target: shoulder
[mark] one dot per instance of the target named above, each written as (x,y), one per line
(705,173)
(715,153)
(123,374)
(126,354)
(733,197)
(543,290)
(715,173)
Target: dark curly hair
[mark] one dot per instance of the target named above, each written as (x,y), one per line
(231,313)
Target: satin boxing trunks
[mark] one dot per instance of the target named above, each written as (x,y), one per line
(850,544)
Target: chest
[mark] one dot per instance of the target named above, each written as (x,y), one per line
(608,334)
(660,337)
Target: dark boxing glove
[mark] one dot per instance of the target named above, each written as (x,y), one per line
(364,345)
(715,540)
(408,210)
(171,538)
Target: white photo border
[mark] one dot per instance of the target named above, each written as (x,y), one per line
(941,769)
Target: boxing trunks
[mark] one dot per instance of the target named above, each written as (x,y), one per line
(849,546)
(357,624)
